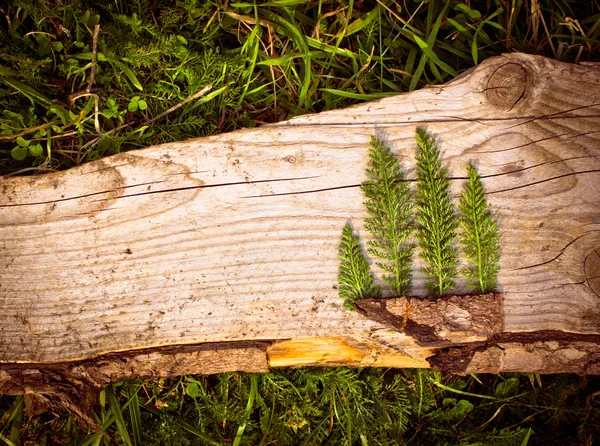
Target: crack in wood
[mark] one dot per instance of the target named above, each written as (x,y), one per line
(591,268)
(534,166)
(508,149)
(207,186)
(303,192)
(59,200)
(448,119)
(176,189)
(557,256)
(349,186)
(286,179)
(510,189)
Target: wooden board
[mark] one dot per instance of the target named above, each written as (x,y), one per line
(234,237)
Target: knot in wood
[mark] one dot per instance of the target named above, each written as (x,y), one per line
(591,267)
(507,85)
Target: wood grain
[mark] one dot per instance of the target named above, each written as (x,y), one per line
(235,237)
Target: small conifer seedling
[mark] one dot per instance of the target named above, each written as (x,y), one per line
(437,222)
(390,207)
(480,240)
(355,280)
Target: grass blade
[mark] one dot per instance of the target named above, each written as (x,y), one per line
(474,50)
(113,404)
(33,95)
(134,413)
(283,61)
(363,21)
(248,411)
(251,49)
(525,441)
(428,50)
(291,29)
(7,441)
(460,392)
(317,44)
(188,427)
(274,3)
(130,75)
(203,100)
(342,33)
(93,440)
(16,420)
(101,57)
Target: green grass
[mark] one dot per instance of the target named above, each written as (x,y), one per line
(160,71)
(331,406)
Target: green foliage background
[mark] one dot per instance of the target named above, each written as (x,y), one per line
(265,62)
(331,406)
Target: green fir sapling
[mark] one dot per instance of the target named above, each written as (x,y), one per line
(479,240)
(355,280)
(390,207)
(437,222)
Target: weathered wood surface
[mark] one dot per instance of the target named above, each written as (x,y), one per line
(234,237)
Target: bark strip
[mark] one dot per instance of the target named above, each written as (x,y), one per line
(75,386)
(439,322)
(546,351)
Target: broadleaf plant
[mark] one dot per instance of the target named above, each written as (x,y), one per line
(479,240)
(355,280)
(436,218)
(390,205)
